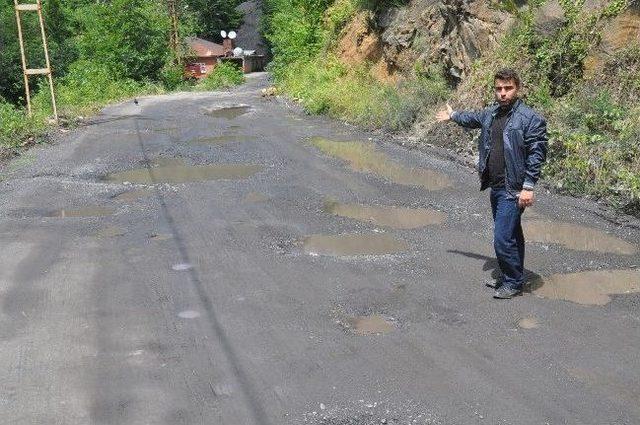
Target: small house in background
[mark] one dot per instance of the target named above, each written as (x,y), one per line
(206,55)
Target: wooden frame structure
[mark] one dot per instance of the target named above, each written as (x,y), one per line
(34,7)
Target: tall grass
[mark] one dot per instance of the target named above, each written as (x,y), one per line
(353,94)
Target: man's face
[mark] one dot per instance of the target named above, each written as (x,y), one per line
(506,92)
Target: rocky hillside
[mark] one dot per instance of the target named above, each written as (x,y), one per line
(455,33)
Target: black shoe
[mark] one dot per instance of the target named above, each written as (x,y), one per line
(493,283)
(505,293)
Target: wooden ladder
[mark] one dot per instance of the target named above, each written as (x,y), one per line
(35,7)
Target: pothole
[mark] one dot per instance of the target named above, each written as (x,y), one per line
(370,325)
(528,323)
(396,217)
(229,112)
(175,173)
(353,244)
(576,237)
(364,158)
(588,288)
(132,195)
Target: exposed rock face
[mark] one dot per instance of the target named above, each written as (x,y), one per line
(621,32)
(360,42)
(449,32)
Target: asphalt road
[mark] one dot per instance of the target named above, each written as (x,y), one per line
(220,258)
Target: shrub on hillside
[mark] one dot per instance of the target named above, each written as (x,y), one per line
(595,148)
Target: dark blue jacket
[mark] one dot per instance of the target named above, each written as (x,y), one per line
(525,144)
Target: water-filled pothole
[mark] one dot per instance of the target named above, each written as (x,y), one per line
(353,244)
(175,173)
(396,217)
(229,113)
(576,237)
(363,157)
(588,288)
(132,195)
(370,325)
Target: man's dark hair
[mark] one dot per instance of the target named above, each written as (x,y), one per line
(507,74)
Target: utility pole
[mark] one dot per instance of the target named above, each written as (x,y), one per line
(174,37)
(34,7)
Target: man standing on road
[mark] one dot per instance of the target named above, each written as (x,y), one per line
(512,148)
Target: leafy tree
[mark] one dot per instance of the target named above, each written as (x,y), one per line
(130,37)
(212,16)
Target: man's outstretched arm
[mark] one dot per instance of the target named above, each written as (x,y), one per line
(468,119)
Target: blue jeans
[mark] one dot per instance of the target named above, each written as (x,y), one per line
(508,239)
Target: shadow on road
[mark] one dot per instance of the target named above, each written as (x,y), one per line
(532,279)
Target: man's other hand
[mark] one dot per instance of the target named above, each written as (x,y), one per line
(525,199)
(445,114)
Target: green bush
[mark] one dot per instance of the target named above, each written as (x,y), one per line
(172,76)
(595,147)
(87,87)
(224,75)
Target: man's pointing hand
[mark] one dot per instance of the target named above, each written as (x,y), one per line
(444,115)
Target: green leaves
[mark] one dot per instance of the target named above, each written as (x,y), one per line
(224,75)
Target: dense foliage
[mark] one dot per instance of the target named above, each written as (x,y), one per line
(302,34)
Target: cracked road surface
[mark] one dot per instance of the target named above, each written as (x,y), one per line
(219,258)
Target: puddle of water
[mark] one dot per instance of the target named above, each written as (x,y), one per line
(132,195)
(342,245)
(184,173)
(255,197)
(110,232)
(579,238)
(228,113)
(528,323)
(363,157)
(370,325)
(588,288)
(398,218)
(189,314)
(82,212)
